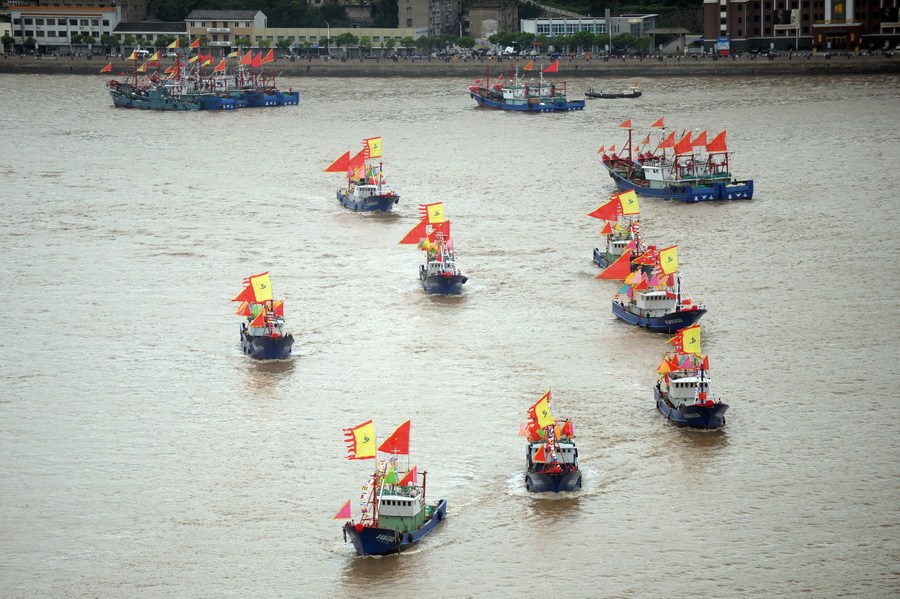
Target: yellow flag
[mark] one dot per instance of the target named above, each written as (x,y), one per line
(173,44)
(690,340)
(542,411)
(194,58)
(154,56)
(436,213)
(373,145)
(142,68)
(668,259)
(207,62)
(262,287)
(235,54)
(364,437)
(629,202)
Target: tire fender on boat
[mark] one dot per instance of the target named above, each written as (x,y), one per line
(440,515)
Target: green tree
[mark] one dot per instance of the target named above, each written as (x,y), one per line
(144,42)
(390,43)
(164,40)
(284,44)
(466,42)
(365,44)
(243,42)
(264,43)
(30,42)
(108,41)
(346,40)
(407,42)
(76,39)
(128,41)
(7,40)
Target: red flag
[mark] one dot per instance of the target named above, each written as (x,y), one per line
(221,66)
(659,124)
(684,146)
(443,227)
(619,269)
(568,429)
(626,124)
(257,60)
(243,309)
(700,140)
(410,477)
(270,56)
(195,43)
(717,144)
(107,68)
(529,66)
(553,67)
(705,362)
(246,58)
(398,442)
(247,295)
(540,455)
(607,228)
(340,165)
(358,160)
(418,232)
(608,211)
(260,320)
(668,142)
(278,308)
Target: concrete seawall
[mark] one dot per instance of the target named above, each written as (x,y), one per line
(807,65)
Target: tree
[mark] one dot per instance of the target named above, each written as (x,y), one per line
(365,43)
(284,44)
(128,41)
(30,42)
(407,42)
(466,42)
(264,43)
(7,40)
(76,39)
(243,42)
(162,41)
(346,40)
(390,43)
(108,41)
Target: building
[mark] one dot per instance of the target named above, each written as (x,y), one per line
(489,17)
(53,27)
(437,16)
(801,24)
(222,28)
(316,37)
(639,25)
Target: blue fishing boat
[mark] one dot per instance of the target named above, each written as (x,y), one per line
(551,457)
(395,514)
(367,189)
(263,334)
(682,391)
(520,95)
(698,171)
(150,97)
(654,297)
(439,274)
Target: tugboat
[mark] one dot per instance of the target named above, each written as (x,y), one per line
(551,457)
(262,334)
(657,302)
(394,513)
(682,391)
(525,96)
(367,190)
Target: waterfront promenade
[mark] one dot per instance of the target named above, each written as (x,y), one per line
(670,66)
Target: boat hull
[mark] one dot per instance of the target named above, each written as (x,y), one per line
(151,101)
(377,203)
(542,482)
(669,323)
(734,190)
(383,541)
(696,416)
(442,284)
(541,106)
(602,96)
(600,258)
(267,348)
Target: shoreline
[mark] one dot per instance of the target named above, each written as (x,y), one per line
(569,68)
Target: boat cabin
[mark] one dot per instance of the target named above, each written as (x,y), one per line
(658,174)
(401,508)
(685,390)
(617,246)
(654,303)
(366,191)
(276,325)
(566,453)
(439,267)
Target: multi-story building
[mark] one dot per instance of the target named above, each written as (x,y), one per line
(438,16)
(149,30)
(222,28)
(801,24)
(317,37)
(489,17)
(52,26)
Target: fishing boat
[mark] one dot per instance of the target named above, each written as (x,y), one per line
(262,333)
(656,300)
(518,94)
(183,85)
(367,189)
(634,93)
(439,274)
(682,391)
(394,512)
(551,457)
(697,171)
(621,228)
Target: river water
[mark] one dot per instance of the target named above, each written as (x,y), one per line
(145,455)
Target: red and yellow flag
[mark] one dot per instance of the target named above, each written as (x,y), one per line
(410,478)
(195,43)
(107,68)
(270,57)
(262,287)
(420,231)
(338,166)
(175,44)
(132,56)
(243,309)
(433,213)
(619,269)
(629,202)
(260,320)
(668,259)
(372,147)
(607,211)
(690,340)
(154,56)
(540,411)
(540,455)
(360,441)
(142,68)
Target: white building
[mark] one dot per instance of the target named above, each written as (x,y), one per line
(638,25)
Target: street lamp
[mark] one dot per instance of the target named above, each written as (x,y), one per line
(328,40)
